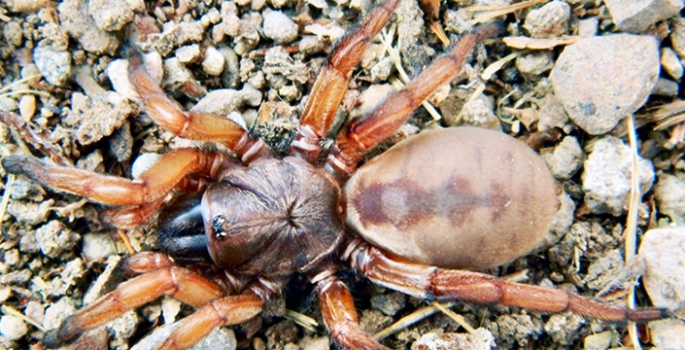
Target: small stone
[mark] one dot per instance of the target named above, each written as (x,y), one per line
(481,339)
(389,304)
(533,64)
(606,176)
(110,15)
(214,62)
(13,327)
(382,70)
(566,158)
(665,87)
(664,257)
(310,45)
(75,20)
(279,27)
(27,107)
(669,193)
(600,80)
(11,258)
(319,343)
(53,65)
(57,312)
(549,21)
(104,280)
(671,63)
(678,35)
(479,112)
(516,329)
(188,54)
(31,213)
(588,27)
(223,101)
(54,238)
(636,16)
(600,341)
(97,246)
(667,334)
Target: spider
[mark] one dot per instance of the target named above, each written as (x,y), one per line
(416,219)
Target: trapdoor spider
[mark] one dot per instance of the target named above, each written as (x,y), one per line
(414,219)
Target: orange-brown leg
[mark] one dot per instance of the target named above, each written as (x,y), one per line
(433,282)
(332,82)
(182,284)
(340,316)
(220,312)
(362,134)
(154,184)
(203,127)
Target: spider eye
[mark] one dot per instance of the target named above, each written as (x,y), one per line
(218,225)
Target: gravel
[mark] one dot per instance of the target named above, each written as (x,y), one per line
(256,61)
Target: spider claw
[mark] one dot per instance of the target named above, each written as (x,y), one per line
(648,314)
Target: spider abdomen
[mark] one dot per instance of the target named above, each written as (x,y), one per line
(464,198)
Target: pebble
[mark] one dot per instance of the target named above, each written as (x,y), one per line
(214,62)
(667,334)
(188,53)
(223,101)
(600,341)
(548,21)
(389,304)
(533,64)
(54,238)
(479,111)
(664,257)
(75,20)
(516,329)
(669,193)
(13,327)
(566,158)
(564,327)
(97,247)
(664,281)
(55,66)
(637,16)
(600,80)
(97,117)
(588,27)
(310,45)
(671,63)
(279,27)
(27,107)
(30,213)
(678,35)
(481,339)
(606,176)
(665,87)
(318,343)
(57,312)
(110,15)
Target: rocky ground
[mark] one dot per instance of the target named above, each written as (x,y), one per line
(563,77)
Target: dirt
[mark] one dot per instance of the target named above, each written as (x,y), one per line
(45,274)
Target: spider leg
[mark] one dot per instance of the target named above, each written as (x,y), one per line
(234,309)
(362,134)
(340,316)
(162,277)
(331,84)
(168,173)
(195,126)
(432,282)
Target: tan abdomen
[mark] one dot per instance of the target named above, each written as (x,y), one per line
(458,197)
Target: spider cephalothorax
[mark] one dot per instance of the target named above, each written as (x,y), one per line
(410,219)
